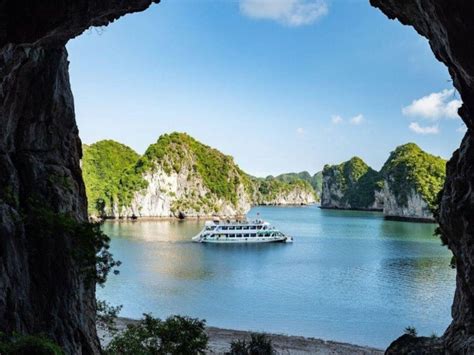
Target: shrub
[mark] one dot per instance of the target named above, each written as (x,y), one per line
(28,345)
(107,316)
(411,331)
(175,335)
(259,344)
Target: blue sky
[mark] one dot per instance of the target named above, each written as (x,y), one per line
(281,85)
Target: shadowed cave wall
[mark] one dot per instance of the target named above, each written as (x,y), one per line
(42,288)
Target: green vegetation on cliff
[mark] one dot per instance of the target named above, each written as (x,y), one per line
(114,173)
(271,188)
(316,181)
(410,168)
(103,165)
(174,151)
(354,181)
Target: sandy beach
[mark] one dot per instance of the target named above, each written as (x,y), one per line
(220,339)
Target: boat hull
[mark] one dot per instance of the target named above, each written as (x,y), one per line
(243,240)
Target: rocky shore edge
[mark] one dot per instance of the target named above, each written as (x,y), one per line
(220,339)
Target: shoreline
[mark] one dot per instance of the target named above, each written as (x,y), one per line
(191,218)
(386,217)
(220,339)
(352,209)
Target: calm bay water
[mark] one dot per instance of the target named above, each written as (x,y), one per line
(349,276)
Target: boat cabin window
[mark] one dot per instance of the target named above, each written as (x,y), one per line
(252,227)
(253,235)
(231,235)
(238,228)
(245,227)
(259,227)
(231,228)
(238,235)
(224,228)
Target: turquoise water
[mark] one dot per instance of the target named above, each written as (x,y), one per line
(349,276)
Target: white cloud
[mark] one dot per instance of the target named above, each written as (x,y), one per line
(336,119)
(434,106)
(357,120)
(300,131)
(287,12)
(415,127)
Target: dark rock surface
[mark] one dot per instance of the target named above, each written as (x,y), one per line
(449,27)
(42,287)
(412,345)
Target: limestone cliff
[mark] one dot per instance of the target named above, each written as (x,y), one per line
(412,181)
(315,180)
(406,187)
(351,185)
(178,177)
(271,191)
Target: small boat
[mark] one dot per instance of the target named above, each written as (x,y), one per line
(232,232)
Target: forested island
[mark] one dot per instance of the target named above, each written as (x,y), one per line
(405,188)
(180,177)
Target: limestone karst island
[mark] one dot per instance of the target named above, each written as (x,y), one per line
(247,177)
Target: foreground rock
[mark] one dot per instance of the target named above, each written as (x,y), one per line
(220,339)
(448,25)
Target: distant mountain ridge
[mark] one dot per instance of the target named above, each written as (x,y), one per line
(177,177)
(405,188)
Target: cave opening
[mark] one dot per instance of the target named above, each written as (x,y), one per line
(40,140)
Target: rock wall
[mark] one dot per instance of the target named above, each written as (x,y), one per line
(181,195)
(296,196)
(415,207)
(449,25)
(335,194)
(42,287)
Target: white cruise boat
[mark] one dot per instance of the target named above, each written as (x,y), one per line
(257,231)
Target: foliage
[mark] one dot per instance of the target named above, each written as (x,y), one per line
(410,168)
(18,344)
(150,336)
(411,331)
(174,151)
(103,167)
(91,245)
(106,316)
(270,188)
(259,344)
(356,180)
(316,181)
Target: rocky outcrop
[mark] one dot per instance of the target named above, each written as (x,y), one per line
(181,195)
(351,185)
(295,195)
(415,208)
(406,188)
(448,26)
(42,289)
